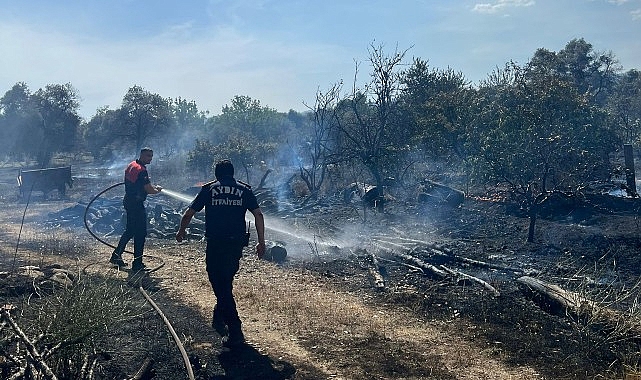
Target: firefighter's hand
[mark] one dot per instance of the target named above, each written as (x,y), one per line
(158,188)
(260,250)
(180,235)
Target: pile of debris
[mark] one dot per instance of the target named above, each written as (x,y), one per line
(106,217)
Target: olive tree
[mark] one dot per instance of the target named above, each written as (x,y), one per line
(539,135)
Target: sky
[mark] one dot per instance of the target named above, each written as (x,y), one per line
(281,52)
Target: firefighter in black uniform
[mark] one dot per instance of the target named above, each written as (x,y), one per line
(226,201)
(137,186)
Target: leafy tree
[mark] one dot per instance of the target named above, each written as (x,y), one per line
(143,116)
(244,152)
(247,116)
(539,136)
(58,107)
(625,106)
(201,158)
(592,73)
(187,115)
(20,131)
(437,105)
(99,134)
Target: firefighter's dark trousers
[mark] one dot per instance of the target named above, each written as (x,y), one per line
(136,229)
(223,261)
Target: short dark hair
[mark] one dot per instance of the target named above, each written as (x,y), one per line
(146,149)
(224,168)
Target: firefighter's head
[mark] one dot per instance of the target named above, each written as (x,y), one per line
(146,154)
(224,169)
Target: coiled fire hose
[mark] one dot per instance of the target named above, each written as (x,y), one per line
(183,352)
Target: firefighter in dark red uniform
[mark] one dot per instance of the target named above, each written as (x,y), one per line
(226,201)
(137,186)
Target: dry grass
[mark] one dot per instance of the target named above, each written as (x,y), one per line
(327,323)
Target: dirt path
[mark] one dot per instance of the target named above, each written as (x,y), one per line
(299,317)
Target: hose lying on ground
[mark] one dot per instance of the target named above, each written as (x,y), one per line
(181,348)
(86,222)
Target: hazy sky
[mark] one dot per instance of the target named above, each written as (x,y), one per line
(281,51)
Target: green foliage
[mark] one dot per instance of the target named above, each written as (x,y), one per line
(99,133)
(144,115)
(245,152)
(625,106)
(247,116)
(201,158)
(539,135)
(19,123)
(438,107)
(40,124)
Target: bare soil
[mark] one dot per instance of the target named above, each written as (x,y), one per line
(318,315)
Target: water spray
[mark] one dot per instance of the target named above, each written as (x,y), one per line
(177,195)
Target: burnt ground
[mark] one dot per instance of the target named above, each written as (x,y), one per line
(318,315)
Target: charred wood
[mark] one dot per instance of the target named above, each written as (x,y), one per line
(466,276)
(550,297)
(34,359)
(412,267)
(146,371)
(376,271)
(427,268)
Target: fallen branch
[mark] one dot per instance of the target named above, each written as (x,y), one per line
(146,370)
(403,264)
(478,263)
(427,268)
(485,284)
(38,362)
(439,249)
(552,297)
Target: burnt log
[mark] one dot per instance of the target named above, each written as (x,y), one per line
(466,276)
(552,298)
(427,268)
(376,271)
(556,300)
(146,371)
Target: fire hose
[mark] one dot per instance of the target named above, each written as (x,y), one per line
(181,348)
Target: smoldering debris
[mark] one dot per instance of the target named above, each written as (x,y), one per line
(106,217)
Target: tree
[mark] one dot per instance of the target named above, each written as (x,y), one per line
(243,151)
(316,152)
(367,117)
(19,122)
(246,115)
(201,158)
(144,115)
(99,134)
(592,73)
(437,105)
(187,115)
(58,107)
(625,106)
(539,135)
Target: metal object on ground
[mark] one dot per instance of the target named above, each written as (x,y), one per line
(45,180)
